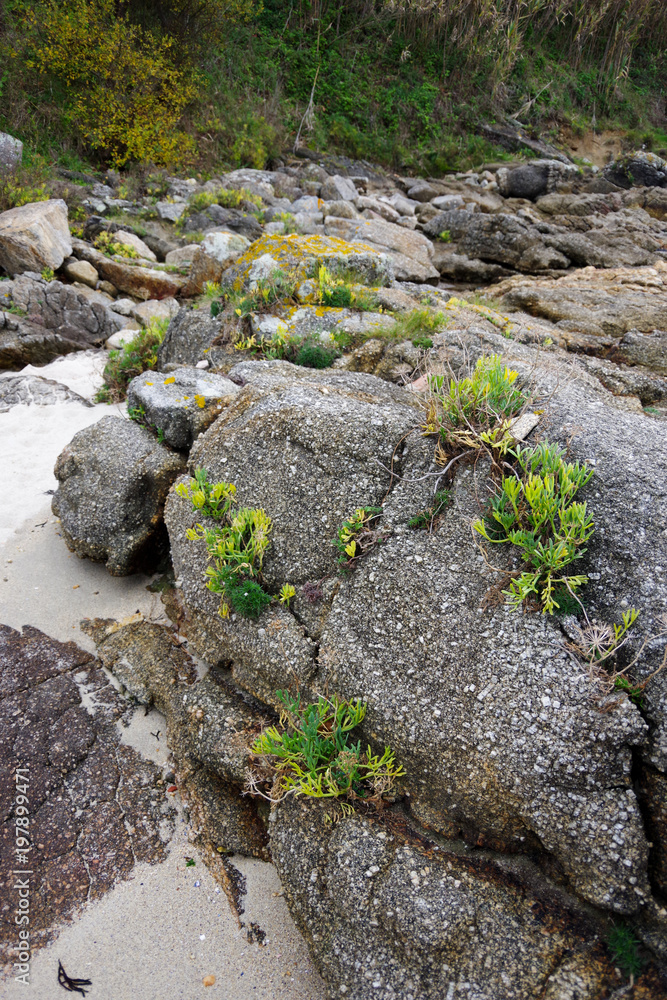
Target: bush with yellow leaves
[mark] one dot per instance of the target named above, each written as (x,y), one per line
(127,92)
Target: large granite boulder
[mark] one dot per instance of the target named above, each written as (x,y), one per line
(34,237)
(534,179)
(501,239)
(190,338)
(72,312)
(387,912)
(181,404)
(409,251)
(300,257)
(507,739)
(641,168)
(113,478)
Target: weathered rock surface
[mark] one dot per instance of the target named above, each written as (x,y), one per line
(337,188)
(217,252)
(534,179)
(181,404)
(27,389)
(300,256)
(133,279)
(189,338)
(96,807)
(34,237)
(74,314)
(603,302)
(209,727)
(502,239)
(113,480)
(24,343)
(230,219)
(639,168)
(388,913)
(11,151)
(486,697)
(410,252)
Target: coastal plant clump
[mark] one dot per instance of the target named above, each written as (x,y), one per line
(311,754)
(280,287)
(105,243)
(476,410)
(341,294)
(357,536)
(236,544)
(429,517)
(130,360)
(535,510)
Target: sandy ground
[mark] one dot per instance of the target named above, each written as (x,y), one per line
(158,934)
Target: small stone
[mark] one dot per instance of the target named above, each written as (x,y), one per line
(81,270)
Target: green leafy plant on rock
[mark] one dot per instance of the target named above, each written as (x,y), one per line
(429,517)
(336,292)
(357,536)
(535,510)
(311,754)
(623,946)
(236,544)
(106,244)
(133,358)
(475,410)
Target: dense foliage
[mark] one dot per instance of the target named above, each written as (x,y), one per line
(405,82)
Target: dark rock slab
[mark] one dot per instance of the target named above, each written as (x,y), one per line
(94,806)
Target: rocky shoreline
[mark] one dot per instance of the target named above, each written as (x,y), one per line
(530,822)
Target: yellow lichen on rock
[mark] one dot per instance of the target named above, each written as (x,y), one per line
(299,255)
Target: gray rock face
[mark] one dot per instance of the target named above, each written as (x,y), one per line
(34,237)
(604,303)
(113,480)
(640,169)
(11,151)
(211,758)
(189,339)
(25,343)
(458,267)
(230,219)
(501,239)
(533,179)
(410,251)
(338,188)
(647,349)
(64,309)
(387,913)
(181,404)
(503,735)
(27,389)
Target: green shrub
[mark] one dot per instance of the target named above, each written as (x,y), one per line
(126,92)
(138,356)
(535,510)
(279,287)
(477,410)
(342,293)
(314,355)
(236,544)
(313,755)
